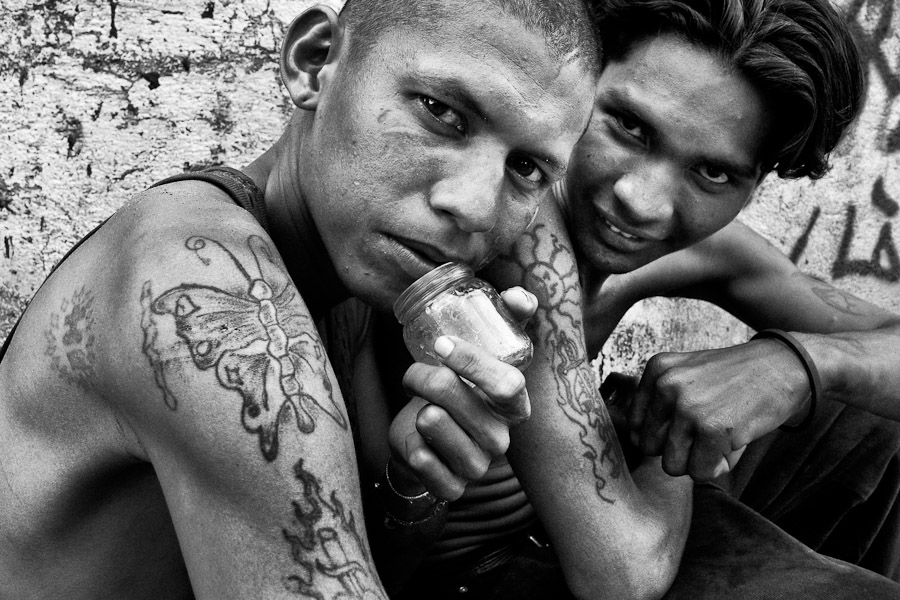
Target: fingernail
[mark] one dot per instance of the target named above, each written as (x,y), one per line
(443,346)
(528,297)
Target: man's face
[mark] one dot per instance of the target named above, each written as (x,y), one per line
(670,157)
(439,147)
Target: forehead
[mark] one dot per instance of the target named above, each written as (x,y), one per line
(686,94)
(499,69)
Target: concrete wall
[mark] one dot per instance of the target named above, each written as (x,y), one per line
(99,98)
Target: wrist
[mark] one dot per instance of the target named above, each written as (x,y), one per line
(812,374)
(408,510)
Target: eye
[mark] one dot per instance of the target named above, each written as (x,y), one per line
(713,175)
(630,126)
(443,113)
(525,168)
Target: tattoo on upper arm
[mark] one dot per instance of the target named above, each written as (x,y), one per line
(321,527)
(258,338)
(70,339)
(551,273)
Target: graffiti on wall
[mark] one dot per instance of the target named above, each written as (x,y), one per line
(883,263)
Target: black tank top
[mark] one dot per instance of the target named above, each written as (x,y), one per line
(238,186)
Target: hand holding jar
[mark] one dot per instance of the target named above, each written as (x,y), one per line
(467,390)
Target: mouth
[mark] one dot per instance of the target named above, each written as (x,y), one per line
(617,231)
(415,258)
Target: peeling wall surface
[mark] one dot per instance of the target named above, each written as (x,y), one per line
(100,98)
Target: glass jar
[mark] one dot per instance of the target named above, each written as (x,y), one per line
(450,300)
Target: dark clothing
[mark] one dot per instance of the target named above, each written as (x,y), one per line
(797,519)
(732,553)
(834,486)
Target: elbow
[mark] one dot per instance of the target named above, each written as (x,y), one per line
(647,581)
(644,568)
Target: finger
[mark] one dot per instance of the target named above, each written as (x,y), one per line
(734,456)
(655,430)
(502,384)
(709,457)
(520,302)
(677,447)
(455,448)
(640,401)
(443,388)
(423,463)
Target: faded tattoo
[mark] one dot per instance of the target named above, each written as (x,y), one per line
(321,527)
(70,339)
(552,275)
(256,336)
(839,300)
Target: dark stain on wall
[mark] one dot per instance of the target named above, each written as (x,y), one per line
(72,129)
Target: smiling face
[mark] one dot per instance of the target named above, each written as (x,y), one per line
(671,156)
(439,146)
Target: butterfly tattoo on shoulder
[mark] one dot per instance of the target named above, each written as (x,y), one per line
(257,337)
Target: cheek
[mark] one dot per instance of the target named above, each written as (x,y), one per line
(707,218)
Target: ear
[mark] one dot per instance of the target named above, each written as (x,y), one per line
(311,42)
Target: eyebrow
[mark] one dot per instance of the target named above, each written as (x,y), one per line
(460,94)
(739,168)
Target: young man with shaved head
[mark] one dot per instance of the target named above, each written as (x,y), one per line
(170,423)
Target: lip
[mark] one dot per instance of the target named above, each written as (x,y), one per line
(415,258)
(620,236)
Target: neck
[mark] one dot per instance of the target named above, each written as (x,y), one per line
(278,173)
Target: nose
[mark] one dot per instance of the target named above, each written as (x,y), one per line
(470,191)
(647,191)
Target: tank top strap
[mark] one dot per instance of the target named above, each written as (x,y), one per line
(242,190)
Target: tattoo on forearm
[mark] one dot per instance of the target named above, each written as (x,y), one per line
(839,300)
(70,339)
(321,527)
(552,274)
(256,336)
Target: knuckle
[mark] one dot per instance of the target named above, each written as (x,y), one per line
(510,385)
(420,460)
(429,418)
(497,443)
(475,467)
(453,490)
(441,385)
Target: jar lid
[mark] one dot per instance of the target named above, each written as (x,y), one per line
(429,285)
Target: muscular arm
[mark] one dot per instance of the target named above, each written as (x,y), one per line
(232,396)
(618,534)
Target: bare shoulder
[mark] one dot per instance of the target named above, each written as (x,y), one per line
(179,325)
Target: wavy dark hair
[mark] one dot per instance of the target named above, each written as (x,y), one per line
(799,54)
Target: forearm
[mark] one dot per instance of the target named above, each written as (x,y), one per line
(615,536)
(860,369)
(613,539)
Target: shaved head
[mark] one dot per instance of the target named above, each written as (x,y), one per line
(564,24)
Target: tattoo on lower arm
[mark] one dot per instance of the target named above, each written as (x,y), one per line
(257,339)
(318,536)
(552,274)
(839,300)
(70,339)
